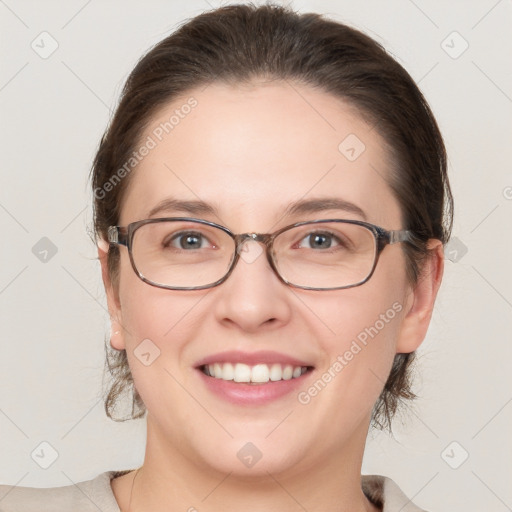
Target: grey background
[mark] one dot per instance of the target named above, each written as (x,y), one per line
(52,305)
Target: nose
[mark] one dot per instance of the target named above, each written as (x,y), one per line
(253,297)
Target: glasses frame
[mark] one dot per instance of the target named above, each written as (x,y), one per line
(123,235)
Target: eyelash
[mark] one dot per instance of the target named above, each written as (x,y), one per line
(184,234)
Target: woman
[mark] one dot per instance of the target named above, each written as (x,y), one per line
(257,168)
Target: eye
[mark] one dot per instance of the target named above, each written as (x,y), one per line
(187,240)
(321,240)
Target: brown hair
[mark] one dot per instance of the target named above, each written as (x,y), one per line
(239,43)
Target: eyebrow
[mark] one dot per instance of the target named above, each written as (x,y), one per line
(302,206)
(192,207)
(321,204)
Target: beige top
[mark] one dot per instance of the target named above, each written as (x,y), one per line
(96,495)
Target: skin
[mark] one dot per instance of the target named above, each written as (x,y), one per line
(251,151)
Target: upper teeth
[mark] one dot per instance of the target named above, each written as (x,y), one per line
(240,372)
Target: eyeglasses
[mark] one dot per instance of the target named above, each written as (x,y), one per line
(183,253)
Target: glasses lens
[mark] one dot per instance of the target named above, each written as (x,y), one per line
(325,255)
(182,254)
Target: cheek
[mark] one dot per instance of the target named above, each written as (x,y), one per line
(150,312)
(363,325)
(358,357)
(364,331)
(156,323)
(369,315)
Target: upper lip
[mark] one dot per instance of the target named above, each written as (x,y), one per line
(251,358)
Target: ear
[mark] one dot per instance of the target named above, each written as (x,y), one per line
(113,302)
(420,302)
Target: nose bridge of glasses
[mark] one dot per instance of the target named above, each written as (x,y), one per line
(262,238)
(250,252)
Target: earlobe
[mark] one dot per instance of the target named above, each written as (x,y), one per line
(420,303)
(116,335)
(114,306)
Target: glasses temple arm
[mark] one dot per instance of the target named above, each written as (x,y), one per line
(117,235)
(402,235)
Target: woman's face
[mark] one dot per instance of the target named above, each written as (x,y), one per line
(249,153)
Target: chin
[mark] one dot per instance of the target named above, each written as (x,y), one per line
(252,455)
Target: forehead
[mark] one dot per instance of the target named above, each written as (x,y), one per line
(250,151)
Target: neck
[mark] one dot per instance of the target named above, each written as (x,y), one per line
(169,480)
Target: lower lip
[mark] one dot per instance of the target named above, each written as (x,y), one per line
(241,393)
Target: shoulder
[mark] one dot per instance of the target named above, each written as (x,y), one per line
(384,492)
(88,496)
(96,494)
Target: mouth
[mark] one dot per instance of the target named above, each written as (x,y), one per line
(253,378)
(257,374)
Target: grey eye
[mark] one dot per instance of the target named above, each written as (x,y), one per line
(187,240)
(319,240)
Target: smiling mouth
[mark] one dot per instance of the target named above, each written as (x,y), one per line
(254,374)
